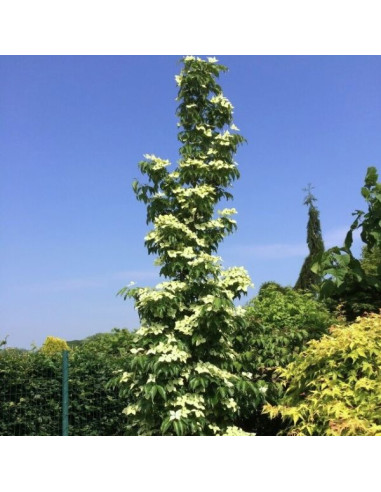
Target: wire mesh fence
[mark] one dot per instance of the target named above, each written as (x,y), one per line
(30,404)
(39,397)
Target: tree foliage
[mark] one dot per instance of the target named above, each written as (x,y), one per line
(346,281)
(183,378)
(334,386)
(307,278)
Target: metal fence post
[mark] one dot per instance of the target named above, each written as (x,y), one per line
(65,393)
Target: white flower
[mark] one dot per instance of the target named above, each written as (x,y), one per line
(125,377)
(212,60)
(227,211)
(231,404)
(131,410)
(233,127)
(151,378)
(136,350)
(175,415)
(236,431)
(214,428)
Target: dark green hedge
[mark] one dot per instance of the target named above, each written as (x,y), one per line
(31,394)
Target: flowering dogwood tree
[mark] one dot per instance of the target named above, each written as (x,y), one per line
(183,377)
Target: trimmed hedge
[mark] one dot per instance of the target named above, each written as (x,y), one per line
(30,394)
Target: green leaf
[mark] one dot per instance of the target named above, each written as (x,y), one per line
(165,425)
(161,392)
(371,177)
(177,427)
(153,392)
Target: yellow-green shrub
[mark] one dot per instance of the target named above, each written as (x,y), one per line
(334,386)
(53,345)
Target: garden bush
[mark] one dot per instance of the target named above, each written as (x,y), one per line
(280,322)
(54,345)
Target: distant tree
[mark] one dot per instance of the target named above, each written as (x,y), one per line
(307,278)
(270,285)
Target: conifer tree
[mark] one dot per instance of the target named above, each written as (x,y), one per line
(183,377)
(371,260)
(307,279)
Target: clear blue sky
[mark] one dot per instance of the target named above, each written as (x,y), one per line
(72,130)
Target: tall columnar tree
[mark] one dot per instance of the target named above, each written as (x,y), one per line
(183,377)
(307,278)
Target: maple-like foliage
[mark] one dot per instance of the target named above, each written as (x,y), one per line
(334,386)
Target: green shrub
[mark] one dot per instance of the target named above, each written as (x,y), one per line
(334,386)
(280,321)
